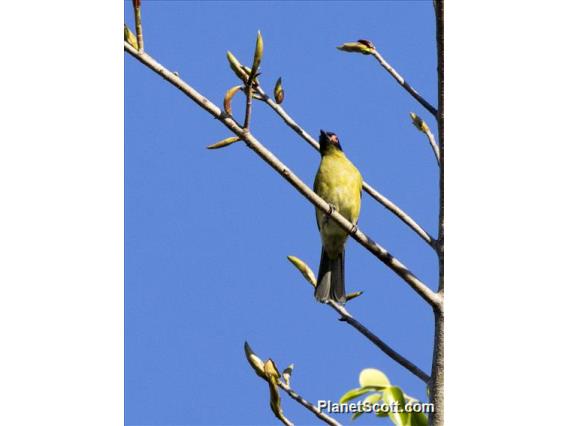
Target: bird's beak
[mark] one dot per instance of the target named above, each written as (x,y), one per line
(323,134)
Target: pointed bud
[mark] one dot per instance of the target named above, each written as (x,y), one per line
(258,52)
(228,98)
(358,47)
(272,374)
(287,373)
(224,142)
(270,369)
(136,3)
(130,38)
(237,67)
(279,92)
(254,361)
(419,123)
(367,43)
(351,296)
(304,269)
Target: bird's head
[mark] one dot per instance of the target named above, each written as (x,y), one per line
(328,140)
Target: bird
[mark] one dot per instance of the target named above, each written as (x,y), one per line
(339,183)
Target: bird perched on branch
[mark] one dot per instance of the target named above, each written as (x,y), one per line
(339,183)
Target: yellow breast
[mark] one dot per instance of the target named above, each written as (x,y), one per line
(339,183)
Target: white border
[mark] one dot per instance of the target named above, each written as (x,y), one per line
(506,152)
(61,214)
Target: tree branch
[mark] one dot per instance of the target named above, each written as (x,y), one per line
(392,207)
(138,23)
(348,318)
(433,144)
(248,109)
(298,398)
(378,251)
(423,127)
(436,385)
(400,80)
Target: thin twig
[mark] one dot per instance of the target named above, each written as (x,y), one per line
(433,144)
(275,402)
(284,420)
(349,319)
(392,207)
(296,397)
(403,82)
(138,23)
(248,110)
(423,127)
(378,251)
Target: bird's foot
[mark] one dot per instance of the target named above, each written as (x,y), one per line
(332,208)
(354,229)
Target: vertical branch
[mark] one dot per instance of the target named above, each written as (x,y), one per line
(258,52)
(138,22)
(248,110)
(437,381)
(437,378)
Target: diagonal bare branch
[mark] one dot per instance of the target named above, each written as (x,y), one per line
(307,404)
(392,207)
(262,368)
(349,319)
(400,80)
(309,276)
(378,251)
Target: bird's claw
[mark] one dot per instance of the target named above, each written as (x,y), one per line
(332,208)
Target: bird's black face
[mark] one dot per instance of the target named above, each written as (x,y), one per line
(328,139)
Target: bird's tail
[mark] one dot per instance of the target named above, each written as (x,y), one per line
(331,278)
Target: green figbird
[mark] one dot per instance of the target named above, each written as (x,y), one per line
(339,183)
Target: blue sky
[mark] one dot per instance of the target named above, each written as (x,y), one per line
(207,232)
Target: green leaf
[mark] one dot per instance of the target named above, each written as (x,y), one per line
(352,296)
(419,123)
(304,269)
(228,98)
(224,142)
(418,419)
(254,361)
(353,393)
(279,91)
(373,377)
(394,397)
(258,52)
(237,67)
(362,46)
(371,399)
(130,38)
(270,369)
